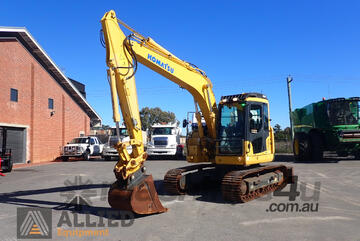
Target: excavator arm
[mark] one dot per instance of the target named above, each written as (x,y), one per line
(122,85)
(122,55)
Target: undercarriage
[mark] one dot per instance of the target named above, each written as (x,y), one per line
(238,184)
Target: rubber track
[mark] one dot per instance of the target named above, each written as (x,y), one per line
(231,183)
(172,178)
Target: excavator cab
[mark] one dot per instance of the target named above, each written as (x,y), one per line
(231,128)
(243,129)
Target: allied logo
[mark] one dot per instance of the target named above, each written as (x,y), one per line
(34,223)
(81,196)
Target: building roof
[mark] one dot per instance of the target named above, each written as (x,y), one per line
(28,41)
(79,86)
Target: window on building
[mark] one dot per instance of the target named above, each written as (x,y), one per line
(51,103)
(14,95)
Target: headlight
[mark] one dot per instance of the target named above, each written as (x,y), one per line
(172,145)
(150,144)
(79,148)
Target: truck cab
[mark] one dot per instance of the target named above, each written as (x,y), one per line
(165,140)
(109,149)
(82,147)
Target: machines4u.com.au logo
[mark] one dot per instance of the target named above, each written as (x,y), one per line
(34,223)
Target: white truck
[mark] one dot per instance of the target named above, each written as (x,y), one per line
(84,147)
(165,141)
(109,151)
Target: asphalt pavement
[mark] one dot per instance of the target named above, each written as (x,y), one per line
(326,205)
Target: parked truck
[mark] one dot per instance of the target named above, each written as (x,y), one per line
(109,150)
(327,125)
(165,141)
(82,147)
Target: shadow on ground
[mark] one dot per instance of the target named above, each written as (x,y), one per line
(99,159)
(81,206)
(150,158)
(165,158)
(328,158)
(206,191)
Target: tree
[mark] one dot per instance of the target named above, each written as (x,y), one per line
(277,128)
(281,134)
(150,116)
(287,132)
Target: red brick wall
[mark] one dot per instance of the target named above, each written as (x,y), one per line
(45,133)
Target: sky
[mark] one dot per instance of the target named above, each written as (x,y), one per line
(243,46)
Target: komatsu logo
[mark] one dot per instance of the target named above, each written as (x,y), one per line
(161,64)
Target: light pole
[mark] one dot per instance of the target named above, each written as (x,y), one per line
(288,81)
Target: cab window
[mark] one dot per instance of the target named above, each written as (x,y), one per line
(266,117)
(256,117)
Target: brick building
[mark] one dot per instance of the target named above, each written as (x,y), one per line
(40,108)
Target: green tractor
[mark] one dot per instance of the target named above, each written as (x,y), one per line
(328,125)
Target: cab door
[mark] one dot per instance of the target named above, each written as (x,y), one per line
(258,126)
(96,147)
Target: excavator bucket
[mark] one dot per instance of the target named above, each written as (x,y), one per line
(140,198)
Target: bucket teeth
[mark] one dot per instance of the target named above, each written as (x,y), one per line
(142,198)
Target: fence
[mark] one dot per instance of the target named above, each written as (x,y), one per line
(283,146)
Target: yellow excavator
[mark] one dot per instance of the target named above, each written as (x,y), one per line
(233,142)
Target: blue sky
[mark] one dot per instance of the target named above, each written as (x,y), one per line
(243,46)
